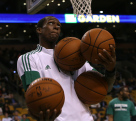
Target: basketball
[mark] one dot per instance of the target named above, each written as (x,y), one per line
(91,87)
(43,94)
(93,43)
(67,54)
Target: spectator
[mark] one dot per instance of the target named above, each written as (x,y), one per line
(6,109)
(103,104)
(5,93)
(16,118)
(1,112)
(13,101)
(16,115)
(6,117)
(0,90)
(24,118)
(98,116)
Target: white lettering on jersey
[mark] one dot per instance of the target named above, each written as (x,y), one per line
(120,107)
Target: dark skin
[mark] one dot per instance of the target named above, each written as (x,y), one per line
(123,95)
(48,35)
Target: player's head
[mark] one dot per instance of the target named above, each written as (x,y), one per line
(124,92)
(48,29)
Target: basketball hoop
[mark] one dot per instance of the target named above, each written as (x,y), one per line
(81,7)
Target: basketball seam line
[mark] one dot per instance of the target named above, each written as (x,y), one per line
(42,83)
(56,105)
(94,47)
(90,89)
(60,101)
(64,45)
(44,97)
(87,100)
(103,42)
(69,55)
(94,43)
(101,83)
(87,47)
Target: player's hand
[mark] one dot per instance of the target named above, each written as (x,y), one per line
(45,116)
(107,60)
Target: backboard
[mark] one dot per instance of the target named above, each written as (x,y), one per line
(34,6)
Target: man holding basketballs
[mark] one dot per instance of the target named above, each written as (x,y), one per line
(40,63)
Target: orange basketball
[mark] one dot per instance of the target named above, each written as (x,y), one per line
(91,87)
(43,94)
(93,43)
(67,54)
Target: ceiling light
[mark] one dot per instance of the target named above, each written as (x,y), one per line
(114,25)
(7,35)
(48,4)
(101,11)
(97,25)
(24,3)
(9,32)
(135,30)
(24,31)
(63,1)
(35,25)
(6,25)
(52,1)
(58,4)
(29,36)
(0,27)
(131,3)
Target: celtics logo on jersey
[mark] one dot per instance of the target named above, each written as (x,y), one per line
(47,67)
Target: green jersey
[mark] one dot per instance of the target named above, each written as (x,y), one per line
(121,110)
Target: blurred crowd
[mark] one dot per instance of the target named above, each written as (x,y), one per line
(10,84)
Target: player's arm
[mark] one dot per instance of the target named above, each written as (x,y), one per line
(110,111)
(132,109)
(27,70)
(110,117)
(109,62)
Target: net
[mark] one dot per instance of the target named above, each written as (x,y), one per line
(82,7)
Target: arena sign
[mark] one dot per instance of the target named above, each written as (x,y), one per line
(98,19)
(68,18)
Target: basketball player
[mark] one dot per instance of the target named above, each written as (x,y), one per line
(40,63)
(121,108)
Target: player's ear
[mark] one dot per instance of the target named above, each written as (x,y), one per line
(38,30)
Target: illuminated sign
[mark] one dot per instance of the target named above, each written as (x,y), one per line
(67,18)
(99,19)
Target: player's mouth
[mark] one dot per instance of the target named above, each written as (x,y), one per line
(55,33)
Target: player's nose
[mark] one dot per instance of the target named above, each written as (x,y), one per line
(56,26)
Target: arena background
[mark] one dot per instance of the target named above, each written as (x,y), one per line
(18,38)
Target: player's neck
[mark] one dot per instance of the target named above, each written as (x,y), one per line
(47,45)
(120,98)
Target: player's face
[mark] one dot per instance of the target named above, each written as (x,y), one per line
(51,29)
(125,93)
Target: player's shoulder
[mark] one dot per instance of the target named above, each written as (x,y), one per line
(31,54)
(113,100)
(129,101)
